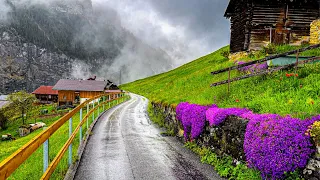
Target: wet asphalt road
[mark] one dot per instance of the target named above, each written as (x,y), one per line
(126,145)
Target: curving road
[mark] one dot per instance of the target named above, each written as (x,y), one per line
(126,145)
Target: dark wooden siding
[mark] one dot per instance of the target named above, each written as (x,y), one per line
(251,21)
(238,29)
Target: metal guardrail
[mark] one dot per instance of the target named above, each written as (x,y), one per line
(9,165)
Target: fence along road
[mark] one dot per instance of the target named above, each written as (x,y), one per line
(126,145)
(9,165)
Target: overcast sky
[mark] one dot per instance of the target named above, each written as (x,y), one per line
(185,29)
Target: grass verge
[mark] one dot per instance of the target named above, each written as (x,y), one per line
(33,166)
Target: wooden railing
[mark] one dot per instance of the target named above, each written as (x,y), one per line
(268,71)
(266,59)
(229,69)
(9,165)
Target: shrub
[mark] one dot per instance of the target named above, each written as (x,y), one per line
(3,120)
(315,129)
(216,116)
(193,118)
(252,68)
(225,53)
(275,145)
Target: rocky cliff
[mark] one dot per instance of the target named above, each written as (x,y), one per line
(42,42)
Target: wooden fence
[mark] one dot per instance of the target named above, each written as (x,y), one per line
(266,59)
(229,69)
(9,165)
(265,72)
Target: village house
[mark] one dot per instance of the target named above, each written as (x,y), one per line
(76,91)
(256,23)
(46,95)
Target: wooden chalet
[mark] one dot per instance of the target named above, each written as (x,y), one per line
(46,95)
(256,23)
(76,91)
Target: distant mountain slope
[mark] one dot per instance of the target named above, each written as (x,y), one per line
(41,43)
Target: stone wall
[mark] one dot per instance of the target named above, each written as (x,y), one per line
(227,138)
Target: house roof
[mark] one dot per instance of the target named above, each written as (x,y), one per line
(80,85)
(3,103)
(3,97)
(45,90)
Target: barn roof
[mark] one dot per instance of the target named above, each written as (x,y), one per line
(80,85)
(45,90)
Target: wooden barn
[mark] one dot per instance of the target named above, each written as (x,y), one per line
(256,23)
(76,91)
(46,95)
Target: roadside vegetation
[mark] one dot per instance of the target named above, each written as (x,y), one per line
(274,93)
(158,119)
(273,103)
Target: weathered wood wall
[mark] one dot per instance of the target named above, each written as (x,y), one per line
(238,29)
(251,21)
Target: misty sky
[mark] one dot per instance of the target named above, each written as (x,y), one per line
(185,29)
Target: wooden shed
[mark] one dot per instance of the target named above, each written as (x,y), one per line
(256,23)
(46,95)
(76,91)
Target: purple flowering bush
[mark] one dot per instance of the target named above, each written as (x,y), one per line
(275,145)
(216,116)
(193,118)
(252,68)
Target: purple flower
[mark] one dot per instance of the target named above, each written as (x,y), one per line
(252,68)
(275,144)
(216,116)
(193,118)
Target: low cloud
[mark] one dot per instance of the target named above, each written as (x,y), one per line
(185,29)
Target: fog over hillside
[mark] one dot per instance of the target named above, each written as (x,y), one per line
(42,41)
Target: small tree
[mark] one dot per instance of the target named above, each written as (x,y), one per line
(20,102)
(3,120)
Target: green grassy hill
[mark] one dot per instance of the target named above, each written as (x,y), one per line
(274,93)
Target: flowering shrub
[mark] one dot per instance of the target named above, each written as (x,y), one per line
(314,130)
(193,118)
(216,116)
(275,145)
(252,68)
(291,75)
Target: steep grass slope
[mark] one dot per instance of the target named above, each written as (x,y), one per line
(274,93)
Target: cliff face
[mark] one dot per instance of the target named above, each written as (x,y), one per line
(41,43)
(26,66)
